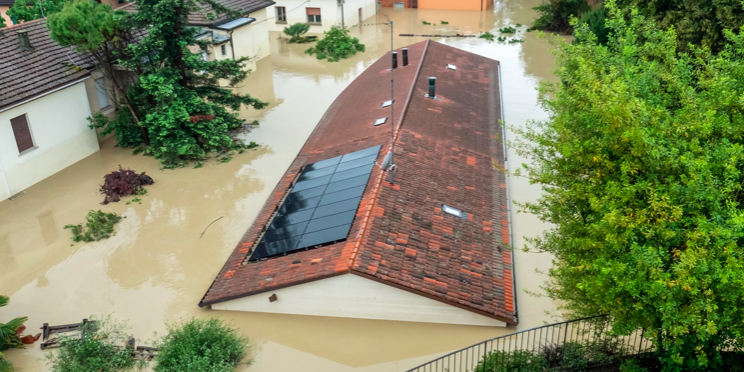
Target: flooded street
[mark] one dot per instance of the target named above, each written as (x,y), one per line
(157,267)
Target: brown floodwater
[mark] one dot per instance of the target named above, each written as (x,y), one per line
(157,267)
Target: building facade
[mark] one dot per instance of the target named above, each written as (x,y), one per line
(320,14)
(440,4)
(44,105)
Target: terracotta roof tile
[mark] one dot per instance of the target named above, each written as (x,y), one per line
(27,73)
(445,153)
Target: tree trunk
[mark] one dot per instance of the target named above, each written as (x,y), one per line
(178,58)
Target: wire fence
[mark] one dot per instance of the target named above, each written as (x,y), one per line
(574,345)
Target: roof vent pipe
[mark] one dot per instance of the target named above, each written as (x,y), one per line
(24,40)
(395,59)
(432,87)
(405,57)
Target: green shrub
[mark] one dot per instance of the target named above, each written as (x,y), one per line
(9,339)
(556,14)
(201,345)
(127,133)
(508,30)
(514,361)
(98,225)
(297,33)
(99,347)
(632,365)
(595,19)
(336,44)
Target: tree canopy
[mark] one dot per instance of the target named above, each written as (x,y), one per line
(177,109)
(21,11)
(641,162)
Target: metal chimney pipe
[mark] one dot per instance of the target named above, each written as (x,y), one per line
(395,59)
(405,56)
(432,87)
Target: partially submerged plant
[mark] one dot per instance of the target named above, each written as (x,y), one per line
(99,347)
(487,35)
(336,44)
(297,33)
(426,23)
(9,336)
(98,225)
(508,30)
(201,345)
(122,183)
(444,22)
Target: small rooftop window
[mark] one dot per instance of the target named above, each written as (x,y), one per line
(451,67)
(387,103)
(454,211)
(381,121)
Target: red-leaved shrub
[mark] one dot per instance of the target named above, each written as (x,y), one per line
(122,183)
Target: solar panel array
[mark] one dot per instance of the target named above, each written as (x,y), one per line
(321,206)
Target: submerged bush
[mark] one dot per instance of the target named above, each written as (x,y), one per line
(99,347)
(201,345)
(297,33)
(98,226)
(122,183)
(336,44)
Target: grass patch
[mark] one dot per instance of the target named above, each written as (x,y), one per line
(201,345)
(98,226)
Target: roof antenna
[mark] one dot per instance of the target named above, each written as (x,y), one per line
(388,162)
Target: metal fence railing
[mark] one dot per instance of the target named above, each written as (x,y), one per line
(567,346)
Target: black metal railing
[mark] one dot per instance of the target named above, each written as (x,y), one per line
(567,346)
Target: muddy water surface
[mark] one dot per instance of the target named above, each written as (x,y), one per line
(159,264)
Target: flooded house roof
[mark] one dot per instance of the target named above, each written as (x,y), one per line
(28,72)
(447,152)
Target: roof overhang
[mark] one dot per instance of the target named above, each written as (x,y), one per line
(236,23)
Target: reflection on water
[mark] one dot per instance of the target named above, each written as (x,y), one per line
(158,265)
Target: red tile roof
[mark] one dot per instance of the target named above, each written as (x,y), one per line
(447,152)
(27,73)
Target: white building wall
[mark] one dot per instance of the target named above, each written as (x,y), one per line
(351,296)
(252,40)
(60,132)
(330,12)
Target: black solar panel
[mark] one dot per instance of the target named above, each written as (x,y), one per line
(321,206)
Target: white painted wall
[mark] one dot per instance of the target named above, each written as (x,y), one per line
(351,296)
(330,13)
(60,131)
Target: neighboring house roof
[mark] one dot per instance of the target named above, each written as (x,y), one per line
(245,6)
(7,2)
(27,73)
(447,151)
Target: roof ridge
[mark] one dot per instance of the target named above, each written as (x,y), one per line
(378,186)
(22,24)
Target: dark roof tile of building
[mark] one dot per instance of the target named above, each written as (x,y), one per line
(244,6)
(44,67)
(447,151)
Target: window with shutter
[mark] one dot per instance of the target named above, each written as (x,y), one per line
(313,15)
(22,133)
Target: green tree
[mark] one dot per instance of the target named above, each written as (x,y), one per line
(641,165)
(9,337)
(555,15)
(101,35)
(180,102)
(336,44)
(25,10)
(696,22)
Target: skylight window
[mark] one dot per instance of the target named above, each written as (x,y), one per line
(387,103)
(381,121)
(451,67)
(454,211)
